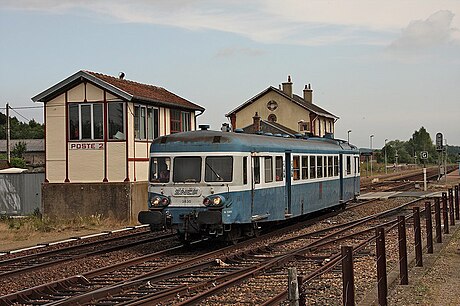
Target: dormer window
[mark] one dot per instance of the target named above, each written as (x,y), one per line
(304,126)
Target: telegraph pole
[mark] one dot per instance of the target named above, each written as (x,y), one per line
(8,132)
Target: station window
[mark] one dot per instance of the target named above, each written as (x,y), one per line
(296,167)
(312,167)
(180,121)
(86,121)
(279,168)
(304,167)
(145,122)
(336,165)
(268,169)
(218,169)
(256,164)
(330,166)
(348,165)
(319,166)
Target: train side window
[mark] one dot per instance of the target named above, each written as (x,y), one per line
(218,169)
(268,169)
(356,165)
(304,167)
(329,166)
(159,169)
(279,168)
(312,167)
(296,167)
(245,170)
(336,165)
(319,166)
(348,165)
(256,164)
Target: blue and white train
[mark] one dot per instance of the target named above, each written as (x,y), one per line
(228,185)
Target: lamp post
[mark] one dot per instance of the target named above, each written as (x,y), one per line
(372,136)
(348,136)
(386,169)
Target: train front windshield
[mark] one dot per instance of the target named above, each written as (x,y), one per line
(187,169)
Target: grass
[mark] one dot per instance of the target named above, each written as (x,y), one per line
(38,223)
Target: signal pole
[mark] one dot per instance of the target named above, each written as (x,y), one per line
(8,131)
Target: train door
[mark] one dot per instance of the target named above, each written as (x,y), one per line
(356,176)
(255,179)
(341,169)
(287,193)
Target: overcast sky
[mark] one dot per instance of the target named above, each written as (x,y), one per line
(384,67)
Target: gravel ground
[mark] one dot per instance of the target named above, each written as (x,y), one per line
(438,282)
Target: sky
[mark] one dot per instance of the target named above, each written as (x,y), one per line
(385,68)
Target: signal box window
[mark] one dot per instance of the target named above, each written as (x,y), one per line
(296,167)
(145,122)
(218,169)
(116,121)
(160,169)
(279,168)
(86,121)
(187,169)
(268,169)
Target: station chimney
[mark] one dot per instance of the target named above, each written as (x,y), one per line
(287,87)
(308,94)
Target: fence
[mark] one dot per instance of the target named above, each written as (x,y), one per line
(20,193)
(445,209)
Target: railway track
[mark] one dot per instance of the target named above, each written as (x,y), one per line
(179,276)
(26,263)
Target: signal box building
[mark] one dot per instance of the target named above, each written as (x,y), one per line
(280,111)
(98,130)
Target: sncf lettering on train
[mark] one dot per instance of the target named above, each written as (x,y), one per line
(187,192)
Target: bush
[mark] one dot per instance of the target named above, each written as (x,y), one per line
(18,162)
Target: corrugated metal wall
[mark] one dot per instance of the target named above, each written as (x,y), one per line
(20,194)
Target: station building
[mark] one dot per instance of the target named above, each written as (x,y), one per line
(279,110)
(98,130)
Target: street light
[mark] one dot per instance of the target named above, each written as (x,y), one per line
(348,136)
(386,169)
(372,136)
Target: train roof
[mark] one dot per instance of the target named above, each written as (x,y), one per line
(217,141)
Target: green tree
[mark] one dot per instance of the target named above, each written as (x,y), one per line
(19,149)
(21,130)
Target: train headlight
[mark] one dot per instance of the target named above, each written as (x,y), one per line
(159,201)
(214,201)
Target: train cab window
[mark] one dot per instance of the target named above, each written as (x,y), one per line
(279,168)
(256,165)
(245,170)
(330,166)
(187,169)
(296,167)
(312,167)
(348,165)
(319,166)
(304,167)
(218,169)
(336,165)
(268,165)
(159,169)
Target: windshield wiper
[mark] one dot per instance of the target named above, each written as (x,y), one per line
(215,173)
